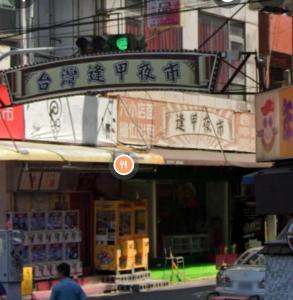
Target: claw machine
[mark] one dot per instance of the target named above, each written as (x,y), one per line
(121,242)
(141,239)
(114,245)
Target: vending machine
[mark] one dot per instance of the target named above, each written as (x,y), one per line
(11,252)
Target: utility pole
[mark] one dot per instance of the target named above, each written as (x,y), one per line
(24,41)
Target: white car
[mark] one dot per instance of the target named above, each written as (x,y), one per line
(245,278)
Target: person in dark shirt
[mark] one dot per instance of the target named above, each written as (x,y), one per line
(66,289)
(2,292)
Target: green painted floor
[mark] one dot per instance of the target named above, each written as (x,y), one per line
(192,272)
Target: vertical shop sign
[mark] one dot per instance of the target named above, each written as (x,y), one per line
(11,119)
(139,120)
(267,126)
(163,13)
(286,122)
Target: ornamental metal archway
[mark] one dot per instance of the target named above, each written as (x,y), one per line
(192,71)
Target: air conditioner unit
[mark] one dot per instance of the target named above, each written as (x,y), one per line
(275,6)
(288,4)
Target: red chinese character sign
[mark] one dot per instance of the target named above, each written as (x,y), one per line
(11,119)
(114,72)
(163,13)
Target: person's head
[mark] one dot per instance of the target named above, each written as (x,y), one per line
(63,270)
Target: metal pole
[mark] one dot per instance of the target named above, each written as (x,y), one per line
(33,50)
(24,40)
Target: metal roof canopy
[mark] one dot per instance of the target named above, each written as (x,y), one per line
(189,157)
(273,190)
(45,152)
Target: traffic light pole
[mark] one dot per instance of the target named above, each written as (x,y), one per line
(32,50)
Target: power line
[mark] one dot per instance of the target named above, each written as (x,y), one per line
(68,23)
(221,26)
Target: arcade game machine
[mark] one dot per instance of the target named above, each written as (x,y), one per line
(121,243)
(140,235)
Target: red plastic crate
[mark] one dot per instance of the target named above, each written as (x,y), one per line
(227,259)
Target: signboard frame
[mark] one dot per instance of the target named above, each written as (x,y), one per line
(18,78)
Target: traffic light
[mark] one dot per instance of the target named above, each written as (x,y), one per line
(111,43)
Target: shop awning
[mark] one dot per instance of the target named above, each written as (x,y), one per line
(273,191)
(249,179)
(209,158)
(31,151)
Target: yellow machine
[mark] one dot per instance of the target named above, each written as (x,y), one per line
(121,242)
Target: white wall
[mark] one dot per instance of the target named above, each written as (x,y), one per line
(4,64)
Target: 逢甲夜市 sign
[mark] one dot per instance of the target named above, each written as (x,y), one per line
(188,71)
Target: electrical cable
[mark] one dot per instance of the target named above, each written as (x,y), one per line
(68,23)
(220,27)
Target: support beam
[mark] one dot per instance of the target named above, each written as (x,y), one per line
(236,72)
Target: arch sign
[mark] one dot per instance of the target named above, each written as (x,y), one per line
(184,71)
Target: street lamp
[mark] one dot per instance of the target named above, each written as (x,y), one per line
(21,3)
(227,3)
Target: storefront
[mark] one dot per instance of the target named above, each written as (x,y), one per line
(50,191)
(200,202)
(274,143)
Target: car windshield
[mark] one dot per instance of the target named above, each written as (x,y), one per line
(255,260)
(242,258)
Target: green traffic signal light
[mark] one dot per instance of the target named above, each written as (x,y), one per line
(122,43)
(110,43)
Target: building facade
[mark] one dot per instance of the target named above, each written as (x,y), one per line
(205,141)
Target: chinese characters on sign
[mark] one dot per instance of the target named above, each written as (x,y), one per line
(183,126)
(274,116)
(287,120)
(44,81)
(198,122)
(96,73)
(132,113)
(69,75)
(123,71)
(172,72)
(163,12)
(145,72)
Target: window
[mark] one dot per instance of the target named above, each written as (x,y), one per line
(6,4)
(134,26)
(230,37)
(165,38)
(169,38)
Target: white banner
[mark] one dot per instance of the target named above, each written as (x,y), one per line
(78,120)
(199,123)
